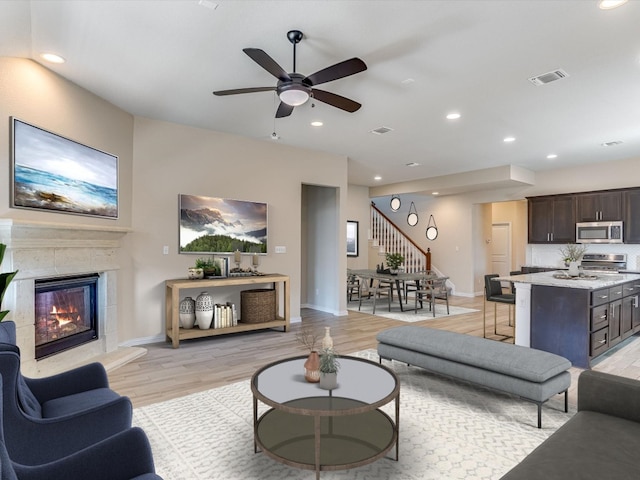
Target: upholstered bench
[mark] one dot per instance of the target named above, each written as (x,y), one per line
(533,375)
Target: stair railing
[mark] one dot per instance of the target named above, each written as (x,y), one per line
(388,236)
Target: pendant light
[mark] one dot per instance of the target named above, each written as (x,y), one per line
(395,203)
(432,230)
(412,218)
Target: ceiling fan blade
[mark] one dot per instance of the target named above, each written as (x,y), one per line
(284,110)
(334,72)
(236,91)
(268,63)
(335,100)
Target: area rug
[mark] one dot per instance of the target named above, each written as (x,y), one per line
(409,314)
(448,430)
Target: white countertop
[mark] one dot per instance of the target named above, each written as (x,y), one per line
(603,280)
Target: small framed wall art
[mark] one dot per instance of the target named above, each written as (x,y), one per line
(352,238)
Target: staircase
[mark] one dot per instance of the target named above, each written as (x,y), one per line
(388,238)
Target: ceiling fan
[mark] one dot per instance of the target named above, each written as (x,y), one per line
(294,89)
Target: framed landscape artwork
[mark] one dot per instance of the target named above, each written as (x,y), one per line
(220,225)
(352,238)
(53,173)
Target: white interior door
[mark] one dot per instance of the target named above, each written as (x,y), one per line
(501,248)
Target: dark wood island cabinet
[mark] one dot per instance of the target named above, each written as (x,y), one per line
(578,319)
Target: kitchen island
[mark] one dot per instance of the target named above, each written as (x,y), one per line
(578,318)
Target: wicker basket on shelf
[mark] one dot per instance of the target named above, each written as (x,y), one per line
(258,305)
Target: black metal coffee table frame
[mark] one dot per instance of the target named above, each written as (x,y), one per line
(315,429)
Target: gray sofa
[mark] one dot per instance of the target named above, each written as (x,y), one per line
(601,441)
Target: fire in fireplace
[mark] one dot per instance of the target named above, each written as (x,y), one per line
(66,313)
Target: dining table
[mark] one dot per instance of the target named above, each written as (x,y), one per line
(394,279)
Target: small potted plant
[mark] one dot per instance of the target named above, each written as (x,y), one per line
(5,279)
(208,266)
(572,254)
(394,260)
(308,337)
(329,366)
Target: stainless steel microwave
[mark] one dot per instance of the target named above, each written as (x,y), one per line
(599,232)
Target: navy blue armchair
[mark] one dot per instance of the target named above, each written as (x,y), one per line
(124,456)
(50,418)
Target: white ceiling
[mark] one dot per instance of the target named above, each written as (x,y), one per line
(163,59)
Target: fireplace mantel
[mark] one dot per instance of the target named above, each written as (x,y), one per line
(45,250)
(28,233)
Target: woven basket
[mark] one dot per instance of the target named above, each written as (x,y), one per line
(258,306)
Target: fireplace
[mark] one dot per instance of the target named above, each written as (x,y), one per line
(65,313)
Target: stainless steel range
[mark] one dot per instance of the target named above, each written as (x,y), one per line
(604,262)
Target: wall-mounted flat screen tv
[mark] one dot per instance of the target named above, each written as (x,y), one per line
(220,225)
(53,173)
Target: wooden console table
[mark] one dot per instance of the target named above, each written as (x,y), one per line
(172,293)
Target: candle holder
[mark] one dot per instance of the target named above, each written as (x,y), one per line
(255,261)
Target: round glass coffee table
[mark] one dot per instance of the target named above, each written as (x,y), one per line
(315,429)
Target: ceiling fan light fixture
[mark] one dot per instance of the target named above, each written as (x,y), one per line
(610,4)
(294,95)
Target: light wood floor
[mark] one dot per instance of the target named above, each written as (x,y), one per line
(197,365)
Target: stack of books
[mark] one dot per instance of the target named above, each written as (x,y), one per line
(225,315)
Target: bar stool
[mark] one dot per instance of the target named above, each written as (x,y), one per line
(493,293)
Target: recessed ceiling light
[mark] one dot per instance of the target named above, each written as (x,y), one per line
(316,123)
(609,4)
(551,156)
(407,81)
(435,193)
(377,177)
(52,57)
(611,144)
(412,164)
(208,4)
(453,116)
(509,139)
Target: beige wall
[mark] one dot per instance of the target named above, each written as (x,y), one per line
(170,159)
(38,96)
(358,209)
(159,160)
(460,249)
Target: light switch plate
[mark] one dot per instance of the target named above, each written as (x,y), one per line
(281,249)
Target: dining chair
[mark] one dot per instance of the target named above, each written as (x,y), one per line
(493,293)
(372,289)
(413,285)
(432,289)
(353,285)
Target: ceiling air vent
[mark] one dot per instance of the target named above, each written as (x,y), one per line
(548,77)
(381,130)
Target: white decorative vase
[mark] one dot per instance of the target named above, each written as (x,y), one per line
(328,381)
(327,341)
(187,312)
(573,269)
(195,273)
(204,310)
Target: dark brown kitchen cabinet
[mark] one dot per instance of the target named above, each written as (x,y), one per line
(631,200)
(615,334)
(630,314)
(599,206)
(552,219)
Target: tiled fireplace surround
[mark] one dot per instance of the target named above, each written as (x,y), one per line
(46,250)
